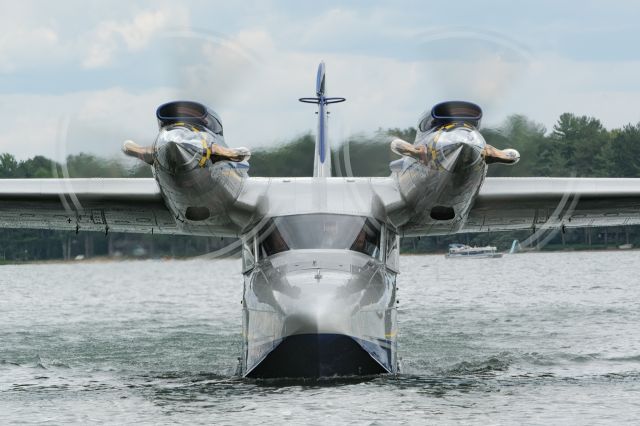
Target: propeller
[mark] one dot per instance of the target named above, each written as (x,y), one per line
(201,65)
(497,62)
(404,148)
(213,152)
(185,64)
(144,153)
(490,154)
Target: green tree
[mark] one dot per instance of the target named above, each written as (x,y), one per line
(291,159)
(522,134)
(622,154)
(369,155)
(38,167)
(408,134)
(580,142)
(8,166)
(87,165)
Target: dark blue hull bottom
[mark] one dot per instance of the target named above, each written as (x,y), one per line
(317,355)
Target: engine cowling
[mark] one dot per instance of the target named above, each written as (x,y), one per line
(190,135)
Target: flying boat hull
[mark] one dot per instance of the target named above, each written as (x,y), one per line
(319,313)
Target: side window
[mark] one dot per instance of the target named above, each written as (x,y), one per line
(393,252)
(368,240)
(248,256)
(271,241)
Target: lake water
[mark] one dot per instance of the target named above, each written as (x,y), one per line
(535,338)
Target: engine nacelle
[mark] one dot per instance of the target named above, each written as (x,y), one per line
(190,135)
(451,112)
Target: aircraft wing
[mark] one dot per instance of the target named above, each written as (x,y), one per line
(105,205)
(537,203)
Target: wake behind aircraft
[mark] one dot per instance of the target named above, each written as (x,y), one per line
(320,255)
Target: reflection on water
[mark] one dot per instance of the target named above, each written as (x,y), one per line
(543,338)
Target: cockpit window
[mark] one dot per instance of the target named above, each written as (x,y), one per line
(320,231)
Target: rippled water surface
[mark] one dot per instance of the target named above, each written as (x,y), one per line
(529,338)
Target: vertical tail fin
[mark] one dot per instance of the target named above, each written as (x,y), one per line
(322,160)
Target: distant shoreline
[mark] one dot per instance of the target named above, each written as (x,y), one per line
(107,259)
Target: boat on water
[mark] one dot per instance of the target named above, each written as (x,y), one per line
(463,250)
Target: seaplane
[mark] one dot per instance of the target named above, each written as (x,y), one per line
(320,254)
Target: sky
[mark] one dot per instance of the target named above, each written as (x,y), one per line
(83,76)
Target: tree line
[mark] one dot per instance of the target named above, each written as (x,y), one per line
(576,146)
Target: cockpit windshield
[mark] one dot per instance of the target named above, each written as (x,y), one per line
(320,231)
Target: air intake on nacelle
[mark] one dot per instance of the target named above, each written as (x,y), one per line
(188,112)
(450,112)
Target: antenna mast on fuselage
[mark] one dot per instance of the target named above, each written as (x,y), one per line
(322,156)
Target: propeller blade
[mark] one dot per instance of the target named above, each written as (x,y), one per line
(404,148)
(503,156)
(144,153)
(231,154)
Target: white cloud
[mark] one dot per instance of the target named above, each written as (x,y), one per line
(93,121)
(553,85)
(45,35)
(111,36)
(254,77)
(20,45)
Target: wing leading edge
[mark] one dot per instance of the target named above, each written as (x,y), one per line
(505,204)
(137,206)
(105,205)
